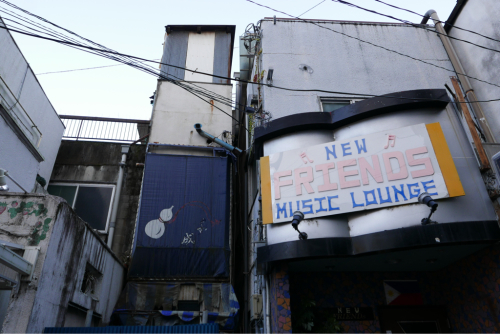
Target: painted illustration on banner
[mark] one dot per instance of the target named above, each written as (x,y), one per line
(369,172)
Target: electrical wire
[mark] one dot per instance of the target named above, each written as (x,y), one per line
(446,23)
(372,44)
(114,53)
(311,8)
(414,25)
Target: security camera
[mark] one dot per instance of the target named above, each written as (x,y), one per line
(298,216)
(425,198)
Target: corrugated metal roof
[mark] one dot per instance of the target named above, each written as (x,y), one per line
(202,328)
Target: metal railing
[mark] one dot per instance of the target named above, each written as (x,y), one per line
(104,129)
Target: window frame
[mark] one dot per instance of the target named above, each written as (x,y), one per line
(326,99)
(78,185)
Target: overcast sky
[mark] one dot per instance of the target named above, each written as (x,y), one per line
(138,27)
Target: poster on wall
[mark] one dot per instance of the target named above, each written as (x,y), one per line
(378,170)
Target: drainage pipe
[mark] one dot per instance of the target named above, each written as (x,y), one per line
(116,200)
(457,65)
(222,143)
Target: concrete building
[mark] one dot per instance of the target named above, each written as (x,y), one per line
(364,258)
(181,266)
(55,269)
(30,129)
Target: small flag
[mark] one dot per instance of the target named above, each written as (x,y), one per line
(402,293)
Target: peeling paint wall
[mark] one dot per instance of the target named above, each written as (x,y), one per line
(67,245)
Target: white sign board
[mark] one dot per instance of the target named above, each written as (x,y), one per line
(379,170)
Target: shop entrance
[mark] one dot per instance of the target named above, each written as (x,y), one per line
(413,319)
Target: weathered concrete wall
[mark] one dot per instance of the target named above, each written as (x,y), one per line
(66,244)
(176,111)
(481,16)
(344,64)
(96,162)
(20,90)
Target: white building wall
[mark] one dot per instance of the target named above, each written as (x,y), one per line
(22,95)
(176,111)
(200,56)
(481,16)
(17,159)
(344,64)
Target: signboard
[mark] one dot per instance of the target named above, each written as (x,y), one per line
(352,313)
(379,170)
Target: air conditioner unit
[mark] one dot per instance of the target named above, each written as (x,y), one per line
(256,307)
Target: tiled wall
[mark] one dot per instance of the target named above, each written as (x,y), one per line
(470,289)
(281,321)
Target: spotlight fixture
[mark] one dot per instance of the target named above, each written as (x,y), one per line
(3,183)
(297,218)
(426,199)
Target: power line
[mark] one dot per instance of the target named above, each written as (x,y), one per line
(80,69)
(450,25)
(311,8)
(208,74)
(373,44)
(413,24)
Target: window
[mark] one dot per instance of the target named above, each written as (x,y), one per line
(329,104)
(91,202)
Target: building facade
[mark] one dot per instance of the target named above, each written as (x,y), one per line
(30,129)
(360,132)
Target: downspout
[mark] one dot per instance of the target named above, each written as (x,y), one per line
(222,143)
(455,61)
(268,305)
(116,200)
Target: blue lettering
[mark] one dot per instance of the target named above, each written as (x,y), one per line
(354,204)
(330,203)
(298,205)
(290,208)
(388,200)
(346,147)
(424,184)
(307,206)
(320,204)
(368,202)
(362,147)
(410,186)
(399,192)
(283,209)
(332,152)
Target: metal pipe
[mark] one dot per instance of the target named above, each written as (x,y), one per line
(204,318)
(457,65)
(268,305)
(5,187)
(202,133)
(116,200)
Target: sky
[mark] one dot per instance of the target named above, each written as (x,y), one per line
(138,28)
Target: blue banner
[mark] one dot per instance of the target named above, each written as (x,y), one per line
(183,224)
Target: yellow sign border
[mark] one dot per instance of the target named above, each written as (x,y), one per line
(445,160)
(265,188)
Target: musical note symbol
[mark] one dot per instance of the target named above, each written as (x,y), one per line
(389,138)
(304,156)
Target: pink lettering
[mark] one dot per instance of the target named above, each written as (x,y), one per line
(428,170)
(306,180)
(375,171)
(278,183)
(403,171)
(343,174)
(327,185)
